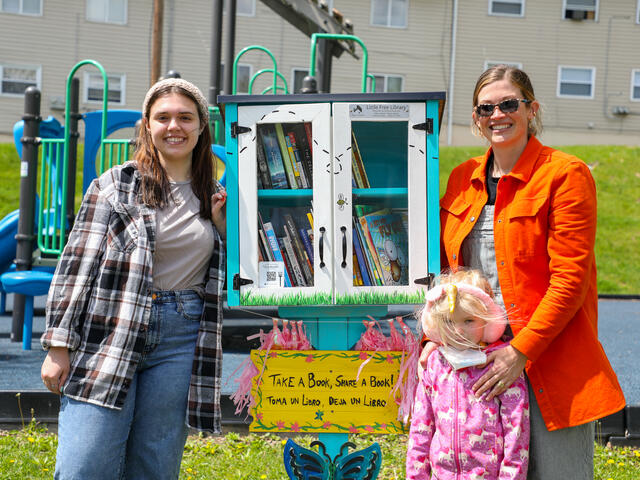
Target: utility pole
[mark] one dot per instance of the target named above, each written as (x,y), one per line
(156,40)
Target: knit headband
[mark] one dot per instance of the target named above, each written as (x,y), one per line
(203,105)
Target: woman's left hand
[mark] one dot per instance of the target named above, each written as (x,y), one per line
(219,212)
(506,365)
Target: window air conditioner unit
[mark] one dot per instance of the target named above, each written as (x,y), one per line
(576,14)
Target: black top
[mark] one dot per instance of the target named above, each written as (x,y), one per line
(492,183)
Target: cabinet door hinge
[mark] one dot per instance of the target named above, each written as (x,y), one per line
(428,280)
(428,126)
(237,129)
(238,281)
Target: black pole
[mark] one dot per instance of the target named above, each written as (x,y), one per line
(323,68)
(216,47)
(73,151)
(231,44)
(28,176)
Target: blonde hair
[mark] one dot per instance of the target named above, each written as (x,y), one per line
(437,313)
(518,79)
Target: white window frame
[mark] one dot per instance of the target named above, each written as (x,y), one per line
(492,63)
(387,25)
(498,14)
(596,10)
(37,68)
(295,70)
(240,65)
(240,13)
(386,77)
(85,88)
(105,19)
(21,10)
(635,73)
(593,82)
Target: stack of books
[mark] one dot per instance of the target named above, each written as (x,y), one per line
(288,237)
(285,156)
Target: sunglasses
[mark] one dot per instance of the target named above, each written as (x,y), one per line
(506,106)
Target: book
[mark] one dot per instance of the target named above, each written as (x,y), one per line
(357,277)
(356,177)
(367,244)
(358,163)
(390,241)
(275,249)
(293,260)
(289,167)
(359,256)
(273,155)
(264,177)
(305,264)
(306,242)
(296,157)
(374,277)
(304,147)
(264,245)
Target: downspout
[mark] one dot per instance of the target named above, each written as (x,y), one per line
(452,70)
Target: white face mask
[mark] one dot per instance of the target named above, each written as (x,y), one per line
(463,358)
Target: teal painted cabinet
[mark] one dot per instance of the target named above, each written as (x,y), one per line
(332,198)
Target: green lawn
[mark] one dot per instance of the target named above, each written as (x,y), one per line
(30,454)
(616,170)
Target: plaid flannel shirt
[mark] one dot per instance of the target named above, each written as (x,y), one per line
(99,303)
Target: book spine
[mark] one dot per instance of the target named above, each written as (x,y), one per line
(305,264)
(275,248)
(295,153)
(371,250)
(274,158)
(306,152)
(293,259)
(306,241)
(263,167)
(294,162)
(362,263)
(268,255)
(287,262)
(359,163)
(357,277)
(286,159)
(355,171)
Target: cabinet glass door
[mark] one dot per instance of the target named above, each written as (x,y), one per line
(379,202)
(284,177)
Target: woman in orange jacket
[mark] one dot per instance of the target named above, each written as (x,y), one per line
(525,214)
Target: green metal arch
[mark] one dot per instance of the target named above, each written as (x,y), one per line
(242,52)
(268,70)
(339,36)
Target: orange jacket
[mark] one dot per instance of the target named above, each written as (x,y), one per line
(544,232)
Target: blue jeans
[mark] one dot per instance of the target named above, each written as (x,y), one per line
(145,439)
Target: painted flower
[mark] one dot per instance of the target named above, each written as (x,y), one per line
(326,424)
(309,359)
(363,356)
(280,424)
(389,359)
(353,429)
(295,427)
(273,354)
(259,416)
(369,428)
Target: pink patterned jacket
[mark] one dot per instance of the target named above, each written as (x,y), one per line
(455,435)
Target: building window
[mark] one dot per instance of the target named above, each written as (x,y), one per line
(635,85)
(580,10)
(512,8)
(107,11)
(21,7)
(242,80)
(388,83)
(389,13)
(245,8)
(298,77)
(94,88)
(494,63)
(14,79)
(577,82)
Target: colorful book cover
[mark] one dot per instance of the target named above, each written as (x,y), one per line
(293,261)
(362,263)
(306,242)
(287,262)
(357,277)
(275,249)
(304,147)
(305,264)
(367,244)
(286,158)
(390,240)
(264,176)
(274,157)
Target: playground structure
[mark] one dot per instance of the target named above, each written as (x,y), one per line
(41,225)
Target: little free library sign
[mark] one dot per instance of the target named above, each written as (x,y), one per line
(318,391)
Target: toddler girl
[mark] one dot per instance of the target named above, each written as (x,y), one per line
(455,434)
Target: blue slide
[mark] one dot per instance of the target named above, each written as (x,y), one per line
(8,231)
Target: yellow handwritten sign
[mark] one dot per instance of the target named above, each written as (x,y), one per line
(320,391)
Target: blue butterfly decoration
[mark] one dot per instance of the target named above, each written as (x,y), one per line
(304,464)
